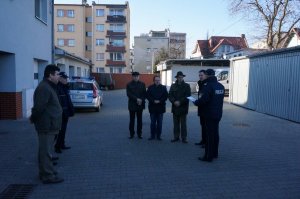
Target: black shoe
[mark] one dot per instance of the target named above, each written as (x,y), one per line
(205,159)
(65,147)
(58,150)
(54,163)
(53,181)
(159,138)
(130,137)
(175,140)
(54,158)
(198,143)
(184,141)
(151,138)
(140,137)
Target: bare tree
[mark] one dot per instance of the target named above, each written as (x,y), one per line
(276,17)
(160,55)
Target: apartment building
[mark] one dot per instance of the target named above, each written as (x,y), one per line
(148,46)
(98,32)
(26,48)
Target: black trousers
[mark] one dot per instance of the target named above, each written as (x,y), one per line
(138,115)
(212,133)
(60,141)
(203,129)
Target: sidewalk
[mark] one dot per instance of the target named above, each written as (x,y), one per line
(259,157)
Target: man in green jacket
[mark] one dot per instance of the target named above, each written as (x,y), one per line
(178,94)
(47,116)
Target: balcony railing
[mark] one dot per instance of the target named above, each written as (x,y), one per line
(115,63)
(111,48)
(111,33)
(116,18)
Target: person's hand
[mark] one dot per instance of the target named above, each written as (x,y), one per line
(139,101)
(177,103)
(156,101)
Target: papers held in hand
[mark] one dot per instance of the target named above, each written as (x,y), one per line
(192,99)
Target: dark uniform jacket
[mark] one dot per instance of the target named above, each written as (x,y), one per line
(157,93)
(46,111)
(211,99)
(136,90)
(180,92)
(200,86)
(65,100)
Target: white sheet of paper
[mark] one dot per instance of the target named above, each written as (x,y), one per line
(191,98)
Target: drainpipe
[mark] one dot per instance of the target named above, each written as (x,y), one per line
(52,34)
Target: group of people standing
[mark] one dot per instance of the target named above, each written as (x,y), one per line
(209,103)
(51,110)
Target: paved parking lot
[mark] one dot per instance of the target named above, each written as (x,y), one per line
(259,157)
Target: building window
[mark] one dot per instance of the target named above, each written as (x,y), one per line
(41,10)
(99,56)
(89,19)
(71,13)
(116,12)
(71,27)
(88,48)
(117,42)
(100,70)
(99,42)
(116,56)
(115,70)
(60,13)
(60,42)
(71,42)
(88,34)
(100,27)
(99,12)
(60,27)
(116,27)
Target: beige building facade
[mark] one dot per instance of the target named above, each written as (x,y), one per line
(98,32)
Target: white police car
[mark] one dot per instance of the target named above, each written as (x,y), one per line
(85,93)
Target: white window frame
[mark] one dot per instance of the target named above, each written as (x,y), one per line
(117,42)
(60,42)
(60,27)
(41,8)
(116,56)
(71,42)
(98,29)
(100,69)
(116,11)
(115,69)
(100,12)
(60,13)
(99,56)
(71,28)
(70,13)
(117,27)
(99,42)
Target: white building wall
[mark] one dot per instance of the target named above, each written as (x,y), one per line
(295,41)
(25,47)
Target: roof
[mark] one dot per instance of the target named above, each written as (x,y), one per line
(208,47)
(62,53)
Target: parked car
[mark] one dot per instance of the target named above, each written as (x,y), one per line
(85,93)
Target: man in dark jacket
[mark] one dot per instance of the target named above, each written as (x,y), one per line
(46,116)
(68,110)
(211,102)
(178,94)
(157,96)
(202,80)
(136,93)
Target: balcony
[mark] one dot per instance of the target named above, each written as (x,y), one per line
(115,63)
(116,18)
(111,33)
(111,48)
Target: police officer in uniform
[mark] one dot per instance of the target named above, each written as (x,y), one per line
(211,101)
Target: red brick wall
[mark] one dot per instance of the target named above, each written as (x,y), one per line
(10,105)
(121,79)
